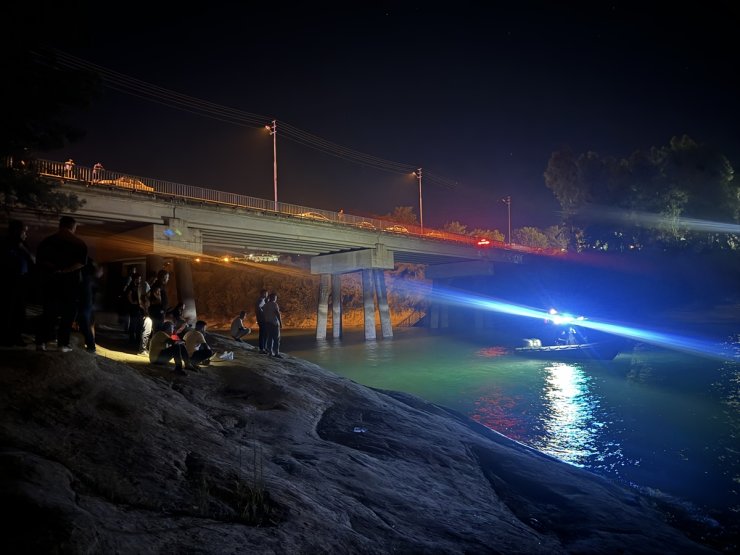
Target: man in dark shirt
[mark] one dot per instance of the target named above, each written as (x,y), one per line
(60,258)
(158,302)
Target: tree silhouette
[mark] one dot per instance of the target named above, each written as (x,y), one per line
(610,200)
(37,117)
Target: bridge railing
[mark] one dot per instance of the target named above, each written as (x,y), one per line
(99,177)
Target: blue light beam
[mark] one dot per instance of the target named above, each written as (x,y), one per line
(653,337)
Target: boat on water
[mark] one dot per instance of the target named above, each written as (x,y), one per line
(600,350)
(571,342)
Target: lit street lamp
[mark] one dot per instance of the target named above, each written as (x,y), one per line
(273,131)
(507,201)
(417,173)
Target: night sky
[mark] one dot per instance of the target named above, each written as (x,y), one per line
(477,96)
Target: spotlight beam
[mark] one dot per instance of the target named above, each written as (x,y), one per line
(662,339)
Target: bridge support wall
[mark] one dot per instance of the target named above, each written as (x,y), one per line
(372,263)
(443,311)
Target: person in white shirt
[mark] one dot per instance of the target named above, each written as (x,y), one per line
(198,349)
(238,329)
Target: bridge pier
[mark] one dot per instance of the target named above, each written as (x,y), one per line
(385,314)
(442,310)
(371,262)
(368,304)
(336,306)
(323,308)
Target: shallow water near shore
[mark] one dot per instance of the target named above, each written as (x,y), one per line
(657,419)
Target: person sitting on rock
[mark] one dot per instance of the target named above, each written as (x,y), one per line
(198,349)
(238,329)
(166,346)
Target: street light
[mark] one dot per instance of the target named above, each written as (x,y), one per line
(417,173)
(507,201)
(273,131)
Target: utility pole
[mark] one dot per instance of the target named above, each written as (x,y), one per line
(417,173)
(507,201)
(273,131)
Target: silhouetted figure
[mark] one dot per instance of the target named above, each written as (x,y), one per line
(124,311)
(91,273)
(258,311)
(97,172)
(176,312)
(158,302)
(136,311)
(273,322)
(60,258)
(19,262)
(69,168)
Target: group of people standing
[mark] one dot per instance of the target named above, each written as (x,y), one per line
(66,279)
(269,321)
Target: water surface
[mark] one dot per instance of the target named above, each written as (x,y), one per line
(654,418)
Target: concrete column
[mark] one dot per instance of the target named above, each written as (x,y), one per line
(323,308)
(434,315)
(444,316)
(336,306)
(185,290)
(368,303)
(434,308)
(385,314)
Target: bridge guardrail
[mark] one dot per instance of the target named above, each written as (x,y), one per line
(92,177)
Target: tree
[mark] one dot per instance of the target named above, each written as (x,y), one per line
(402,215)
(557,237)
(645,198)
(455,227)
(531,237)
(36,118)
(492,234)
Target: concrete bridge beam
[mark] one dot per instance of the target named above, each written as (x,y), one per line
(354,261)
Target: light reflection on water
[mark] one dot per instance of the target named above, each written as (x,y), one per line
(569,417)
(655,418)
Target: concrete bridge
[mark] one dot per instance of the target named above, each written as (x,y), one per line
(136,216)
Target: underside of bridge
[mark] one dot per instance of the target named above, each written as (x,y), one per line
(197,231)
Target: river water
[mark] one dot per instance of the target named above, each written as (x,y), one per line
(661,420)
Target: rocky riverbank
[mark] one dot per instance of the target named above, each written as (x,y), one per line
(109,454)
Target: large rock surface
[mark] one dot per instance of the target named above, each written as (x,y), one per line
(258,455)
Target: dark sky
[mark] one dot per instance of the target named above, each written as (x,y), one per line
(479,95)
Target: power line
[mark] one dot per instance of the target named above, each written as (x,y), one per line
(153,93)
